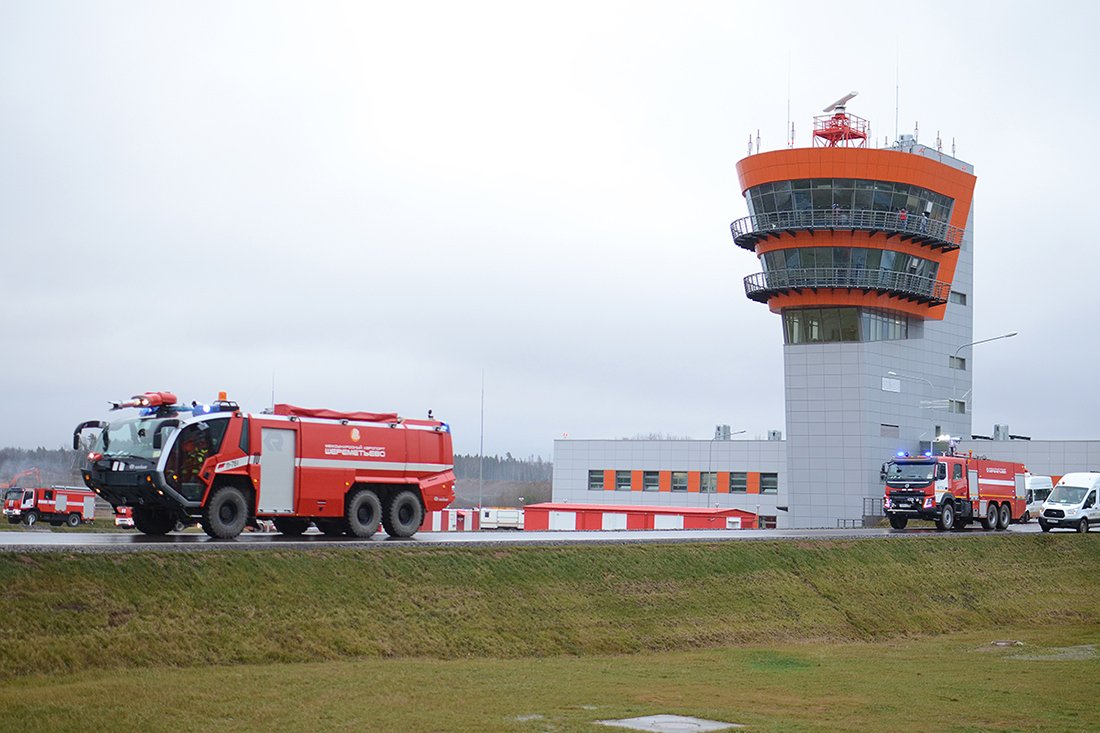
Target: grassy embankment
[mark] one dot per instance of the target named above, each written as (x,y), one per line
(785,636)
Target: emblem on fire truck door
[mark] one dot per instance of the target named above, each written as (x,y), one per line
(355,434)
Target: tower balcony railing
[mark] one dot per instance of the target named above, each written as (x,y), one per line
(763,285)
(918,228)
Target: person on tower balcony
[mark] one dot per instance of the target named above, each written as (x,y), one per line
(903,217)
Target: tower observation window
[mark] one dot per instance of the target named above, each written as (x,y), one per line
(848,194)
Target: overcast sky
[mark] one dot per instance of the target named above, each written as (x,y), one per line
(376,202)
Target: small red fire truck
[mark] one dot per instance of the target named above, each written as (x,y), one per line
(57,505)
(953,491)
(346,472)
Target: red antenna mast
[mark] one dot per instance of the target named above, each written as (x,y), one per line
(840,129)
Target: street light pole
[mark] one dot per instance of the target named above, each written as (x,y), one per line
(932,428)
(954,381)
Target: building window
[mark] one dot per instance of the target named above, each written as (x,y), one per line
(769,483)
(765,521)
(889,431)
(956,297)
(739,482)
(708,482)
(794,202)
(622,481)
(651,481)
(595,480)
(957,362)
(822,325)
(679,481)
(956,406)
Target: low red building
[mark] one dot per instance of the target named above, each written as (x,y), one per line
(580,517)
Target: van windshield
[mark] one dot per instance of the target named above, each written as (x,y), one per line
(1067,495)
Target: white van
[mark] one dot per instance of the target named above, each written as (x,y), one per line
(1037,489)
(1074,503)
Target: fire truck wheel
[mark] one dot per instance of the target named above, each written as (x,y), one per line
(73,520)
(364,513)
(947,516)
(898,521)
(1083,525)
(225,514)
(152,521)
(989,521)
(1004,516)
(30,518)
(403,515)
(291,526)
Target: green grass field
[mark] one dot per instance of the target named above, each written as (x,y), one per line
(880,635)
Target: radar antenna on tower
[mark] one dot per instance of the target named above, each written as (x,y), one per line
(837,128)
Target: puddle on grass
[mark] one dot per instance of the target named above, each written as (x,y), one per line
(670,724)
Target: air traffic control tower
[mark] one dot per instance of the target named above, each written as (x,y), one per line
(866,255)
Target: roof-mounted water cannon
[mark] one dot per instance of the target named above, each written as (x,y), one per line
(151,400)
(838,129)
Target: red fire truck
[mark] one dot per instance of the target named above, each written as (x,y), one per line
(346,472)
(57,505)
(953,491)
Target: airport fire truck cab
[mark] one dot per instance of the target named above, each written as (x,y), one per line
(953,491)
(212,464)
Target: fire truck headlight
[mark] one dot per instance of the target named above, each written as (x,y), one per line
(929,502)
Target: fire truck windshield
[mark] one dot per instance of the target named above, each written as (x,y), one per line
(1065,494)
(910,471)
(13,495)
(134,437)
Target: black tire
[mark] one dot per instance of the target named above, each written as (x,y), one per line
(73,520)
(331,527)
(1083,525)
(13,520)
(364,513)
(898,521)
(30,518)
(1026,518)
(153,520)
(56,522)
(1004,516)
(225,514)
(403,515)
(291,526)
(1044,526)
(989,521)
(947,516)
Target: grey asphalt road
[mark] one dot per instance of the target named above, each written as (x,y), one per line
(46,540)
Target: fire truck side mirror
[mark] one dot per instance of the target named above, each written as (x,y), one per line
(882,472)
(161,435)
(90,424)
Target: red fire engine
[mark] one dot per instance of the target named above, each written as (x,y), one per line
(57,505)
(953,491)
(346,472)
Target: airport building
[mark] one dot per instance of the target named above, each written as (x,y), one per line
(866,259)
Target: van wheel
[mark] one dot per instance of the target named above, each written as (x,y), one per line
(898,522)
(1004,516)
(1083,525)
(1044,526)
(403,515)
(225,514)
(1026,518)
(152,521)
(73,520)
(947,516)
(331,527)
(989,521)
(291,526)
(364,513)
